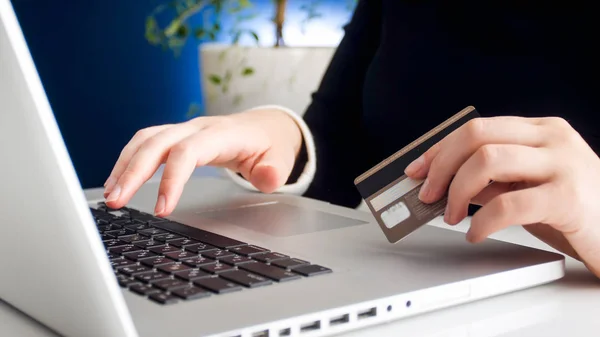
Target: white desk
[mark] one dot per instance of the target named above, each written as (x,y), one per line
(569,307)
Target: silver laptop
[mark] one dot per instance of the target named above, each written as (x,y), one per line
(226,263)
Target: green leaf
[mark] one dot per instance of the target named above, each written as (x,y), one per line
(215,79)
(254,35)
(247,71)
(152,31)
(212,35)
(245,3)
(182,32)
(200,33)
(236,37)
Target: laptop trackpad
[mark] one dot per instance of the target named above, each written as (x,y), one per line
(280,219)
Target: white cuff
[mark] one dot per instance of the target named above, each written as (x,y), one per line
(308,173)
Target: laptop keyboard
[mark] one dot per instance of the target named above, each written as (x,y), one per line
(169,262)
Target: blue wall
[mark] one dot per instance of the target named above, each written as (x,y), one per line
(104,81)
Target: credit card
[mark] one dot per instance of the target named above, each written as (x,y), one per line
(393,197)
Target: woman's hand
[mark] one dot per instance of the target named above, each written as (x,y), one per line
(262,145)
(543,175)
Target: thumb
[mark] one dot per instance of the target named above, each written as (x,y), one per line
(272,170)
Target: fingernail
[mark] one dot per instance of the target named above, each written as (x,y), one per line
(110,183)
(114,195)
(447,214)
(415,166)
(160,205)
(424,192)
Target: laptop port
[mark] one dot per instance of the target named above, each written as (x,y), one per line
(339,320)
(264,333)
(285,332)
(316,325)
(367,313)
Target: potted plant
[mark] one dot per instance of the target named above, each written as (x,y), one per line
(247,70)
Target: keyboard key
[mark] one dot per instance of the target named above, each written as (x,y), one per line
(217,254)
(200,248)
(166,237)
(106,237)
(133,238)
(133,270)
(137,226)
(289,263)
(145,217)
(151,276)
(191,274)
(182,242)
(190,293)
(152,231)
(112,256)
(108,227)
(212,239)
(116,263)
(216,268)
(125,281)
(236,260)
(311,270)
(270,257)
(271,272)
(245,278)
(249,250)
(164,249)
(143,289)
(120,232)
(169,284)
(180,255)
(122,222)
(198,261)
(217,285)
(124,249)
(156,261)
(172,268)
(114,243)
(149,244)
(163,298)
(139,255)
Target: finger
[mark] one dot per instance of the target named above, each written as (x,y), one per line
(490,192)
(521,207)
(144,163)
(457,147)
(182,159)
(500,163)
(272,170)
(128,151)
(419,168)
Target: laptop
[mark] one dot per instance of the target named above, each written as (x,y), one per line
(228,262)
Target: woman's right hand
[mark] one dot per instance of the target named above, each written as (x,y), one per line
(261,145)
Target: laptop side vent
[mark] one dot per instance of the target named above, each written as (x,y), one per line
(310,326)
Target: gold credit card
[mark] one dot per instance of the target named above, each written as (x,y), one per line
(393,197)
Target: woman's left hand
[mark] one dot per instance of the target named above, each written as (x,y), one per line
(545,177)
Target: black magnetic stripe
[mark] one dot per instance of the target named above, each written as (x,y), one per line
(395,169)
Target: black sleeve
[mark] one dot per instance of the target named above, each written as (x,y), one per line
(334,115)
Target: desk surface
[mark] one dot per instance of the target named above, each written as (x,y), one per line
(568,307)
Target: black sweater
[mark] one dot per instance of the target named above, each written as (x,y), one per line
(405,66)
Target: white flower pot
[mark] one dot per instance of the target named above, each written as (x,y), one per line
(260,75)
